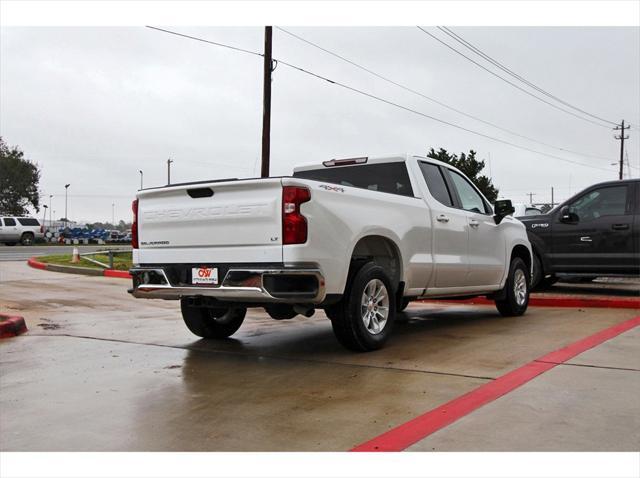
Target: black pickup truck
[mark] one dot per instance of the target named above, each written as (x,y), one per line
(595,233)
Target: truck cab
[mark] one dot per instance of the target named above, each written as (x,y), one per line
(594,233)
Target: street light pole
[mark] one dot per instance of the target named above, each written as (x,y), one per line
(169,161)
(66,189)
(44,218)
(50,211)
(141,177)
(113,213)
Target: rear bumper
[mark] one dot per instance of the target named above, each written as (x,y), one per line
(286,285)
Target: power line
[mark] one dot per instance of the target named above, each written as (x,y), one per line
(207,41)
(405,108)
(510,82)
(448,123)
(411,90)
(512,73)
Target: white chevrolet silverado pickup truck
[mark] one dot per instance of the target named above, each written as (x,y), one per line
(359,238)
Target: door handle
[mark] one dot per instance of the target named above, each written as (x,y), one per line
(473,223)
(620,227)
(586,239)
(442,218)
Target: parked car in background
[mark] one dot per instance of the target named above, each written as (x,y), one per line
(358,237)
(523,210)
(594,233)
(25,230)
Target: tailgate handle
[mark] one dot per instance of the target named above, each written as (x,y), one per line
(200,192)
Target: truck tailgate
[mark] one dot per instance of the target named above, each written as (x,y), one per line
(234,221)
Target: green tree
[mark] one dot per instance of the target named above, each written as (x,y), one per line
(471,167)
(19,179)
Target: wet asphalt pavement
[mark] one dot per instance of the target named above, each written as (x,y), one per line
(99,371)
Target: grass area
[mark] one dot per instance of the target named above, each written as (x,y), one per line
(121,262)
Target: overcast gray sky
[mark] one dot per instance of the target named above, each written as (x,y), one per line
(94,105)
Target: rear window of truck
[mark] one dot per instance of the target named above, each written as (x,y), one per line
(28,221)
(390,178)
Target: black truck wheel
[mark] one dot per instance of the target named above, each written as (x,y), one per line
(516,292)
(363,319)
(212,323)
(27,239)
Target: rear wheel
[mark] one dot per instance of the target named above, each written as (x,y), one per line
(516,290)
(27,239)
(363,319)
(212,323)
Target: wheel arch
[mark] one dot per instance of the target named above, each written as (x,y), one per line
(382,250)
(524,253)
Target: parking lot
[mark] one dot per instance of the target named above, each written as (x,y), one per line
(90,376)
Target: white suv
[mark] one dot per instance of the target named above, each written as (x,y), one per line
(24,230)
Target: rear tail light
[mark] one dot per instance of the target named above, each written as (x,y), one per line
(41,229)
(134,226)
(294,224)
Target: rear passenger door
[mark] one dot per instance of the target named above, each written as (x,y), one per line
(449,230)
(487,248)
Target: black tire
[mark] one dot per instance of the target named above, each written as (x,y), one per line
(347,316)
(212,323)
(546,283)
(280,311)
(27,239)
(517,290)
(538,280)
(538,274)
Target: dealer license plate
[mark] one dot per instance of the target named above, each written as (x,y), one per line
(204,275)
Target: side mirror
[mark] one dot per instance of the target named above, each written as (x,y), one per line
(502,209)
(567,216)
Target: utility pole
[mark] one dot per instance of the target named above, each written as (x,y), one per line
(266,102)
(169,161)
(552,201)
(141,177)
(531,197)
(113,213)
(621,137)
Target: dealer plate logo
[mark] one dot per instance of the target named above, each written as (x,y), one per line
(204,275)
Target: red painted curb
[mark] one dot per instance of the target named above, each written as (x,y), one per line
(11,325)
(114,273)
(405,435)
(37,265)
(107,273)
(560,301)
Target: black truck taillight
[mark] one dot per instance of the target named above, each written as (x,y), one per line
(134,226)
(294,224)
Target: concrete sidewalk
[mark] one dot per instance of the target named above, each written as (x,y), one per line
(587,404)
